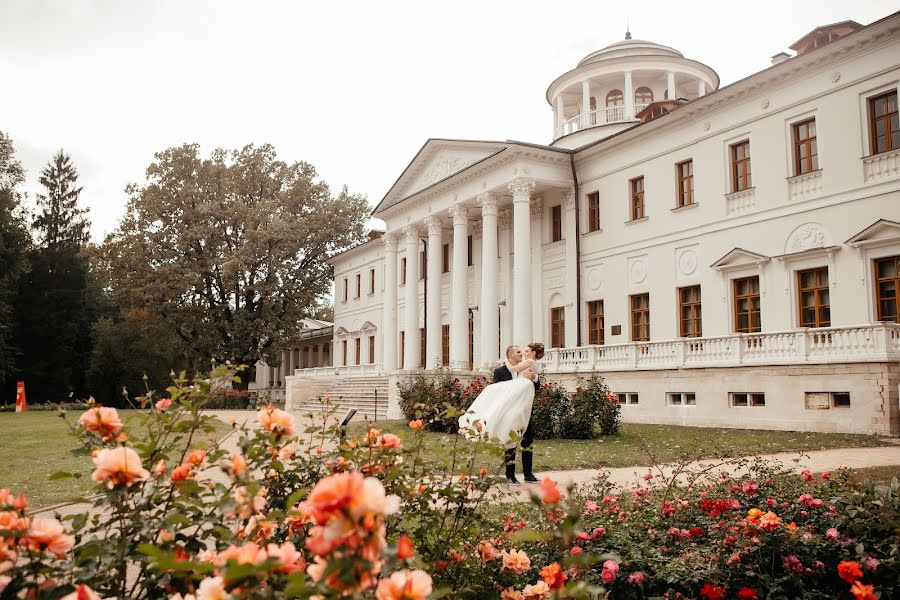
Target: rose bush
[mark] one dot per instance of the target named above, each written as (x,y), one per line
(300,513)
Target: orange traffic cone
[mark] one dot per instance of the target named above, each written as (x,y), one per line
(21,404)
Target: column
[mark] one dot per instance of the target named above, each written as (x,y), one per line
(389,335)
(433,354)
(459,294)
(521,189)
(537,272)
(560,116)
(585,104)
(270,376)
(629,97)
(411,348)
(670,85)
(571,271)
(701,87)
(505,220)
(490,271)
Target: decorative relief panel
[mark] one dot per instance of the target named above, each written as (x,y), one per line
(445,164)
(637,270)
(686,261)
(595,277)
(807,237)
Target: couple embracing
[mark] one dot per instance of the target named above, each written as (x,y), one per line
(504,408)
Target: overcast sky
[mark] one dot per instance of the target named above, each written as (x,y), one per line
(355,88)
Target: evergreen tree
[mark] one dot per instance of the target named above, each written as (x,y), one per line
(62,223)
(13,246)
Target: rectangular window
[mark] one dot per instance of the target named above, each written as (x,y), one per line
(423,265)
(740,166)
(685,172)
(471,341)
(344,352)
(746,305)
(469,254)
(558,327)
(371,349)
(826,400)
(747,399)
(403,271)
(445,260)
(556,223)
(346,289)
(358,285)
(689,311)
(594,211)
(595,322)
(884,129)
(422,348)
(628,398)
(637,198)
(358,351)
(887,286)
(445,345)
(371,281)
(402,347)
(681,398)
(640,318)
(806,152)
(812,295)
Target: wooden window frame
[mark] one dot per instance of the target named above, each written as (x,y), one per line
(359,350)
(879,313)
(886,117)
(617,97)
(423,335)
(736,298)
(445,258)
(470,253)
(690,312)
(556,223)
(403,271)
(371,281)
(809,163)
(558,327)
(445,345)
(423,264)
(593,211)
(685,197)
(402,348)
(346,289)
(637,207)
(638,91)
(344,352)
(640,328)
(740,181)
(817,292)
(596,323)
(371,349)
(358,285)
(746,399)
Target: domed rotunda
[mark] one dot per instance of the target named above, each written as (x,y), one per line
(604,93)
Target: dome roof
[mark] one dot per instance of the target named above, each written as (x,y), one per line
(629,47)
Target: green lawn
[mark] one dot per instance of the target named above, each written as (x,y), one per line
(639,444)
(37,444)
(877,475)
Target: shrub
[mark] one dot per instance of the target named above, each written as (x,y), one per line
(550,405)
(438,401)
(229,399)
(593,410)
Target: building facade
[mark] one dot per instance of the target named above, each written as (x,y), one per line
(725,257)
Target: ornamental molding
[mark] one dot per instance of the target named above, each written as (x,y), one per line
(521,189)
(390,242)
(570,199)
(488,204)
(537,207)
(412,234)
(807,237)
(459,214)
(434,225)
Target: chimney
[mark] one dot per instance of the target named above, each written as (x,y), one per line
(780,58)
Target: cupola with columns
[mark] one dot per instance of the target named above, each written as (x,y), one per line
(601,96)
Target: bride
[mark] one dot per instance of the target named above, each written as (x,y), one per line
(503,409)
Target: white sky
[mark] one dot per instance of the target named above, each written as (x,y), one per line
(353,87)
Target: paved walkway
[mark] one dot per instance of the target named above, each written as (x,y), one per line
(814,460)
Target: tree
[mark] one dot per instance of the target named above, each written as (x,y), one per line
(231,250)
(13,246)
(62,223)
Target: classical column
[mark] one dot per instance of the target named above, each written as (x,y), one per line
(490,319)
(521,189)
(433,354)
(505,221)
(571,271)
(629,97)
(585,104)
(459,294)
(389,335)
(411,347)
(670,85)
(560,116)
(538,315)
(701,87)
(270,376)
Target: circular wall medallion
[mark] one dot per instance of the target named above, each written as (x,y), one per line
(765,104)
(687,262)
(594,279)
(638,271)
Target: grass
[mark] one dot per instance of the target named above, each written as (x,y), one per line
(640,444)
(877,475)
(39,443)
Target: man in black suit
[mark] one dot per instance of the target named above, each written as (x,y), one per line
(502,373)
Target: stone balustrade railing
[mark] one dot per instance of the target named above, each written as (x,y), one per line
(863,343)
(348,371)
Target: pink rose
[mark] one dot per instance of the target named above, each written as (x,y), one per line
(832,534)
(610,568)
(637,578)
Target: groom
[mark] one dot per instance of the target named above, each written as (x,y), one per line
(502,373)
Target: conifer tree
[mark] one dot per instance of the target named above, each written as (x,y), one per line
(61,222)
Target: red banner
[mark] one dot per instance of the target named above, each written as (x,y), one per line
(21,404)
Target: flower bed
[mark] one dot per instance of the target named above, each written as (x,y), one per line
(303,516)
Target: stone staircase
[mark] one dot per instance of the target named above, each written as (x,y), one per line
(351,392)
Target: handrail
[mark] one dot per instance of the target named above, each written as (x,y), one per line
(596,118)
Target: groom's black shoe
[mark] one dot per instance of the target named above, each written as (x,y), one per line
(531,478)
(511,474)
(527,458)
(512,480)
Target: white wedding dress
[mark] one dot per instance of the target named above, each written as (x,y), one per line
(500,409)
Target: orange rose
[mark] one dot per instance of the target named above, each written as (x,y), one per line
(248,554)
(770,521)
(49,535)
(238,464)
(276,420)
(549,492)
(118,466)
(163,404)
(404,547)
(103,421)
(196,457)
(516,561)
(538,591)
(182,472)
(416,424)
(404,585)
(487,551)
(511,593)
(849,570)
(553,576)
(862,592)
(389,440)
(82,592)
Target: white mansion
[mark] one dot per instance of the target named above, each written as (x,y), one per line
(722,256)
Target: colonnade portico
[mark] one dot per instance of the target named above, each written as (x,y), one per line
(487,207)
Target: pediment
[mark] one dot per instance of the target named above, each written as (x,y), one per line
(738,257)
(368,326)
(881,231)
(341,331)
(435,162)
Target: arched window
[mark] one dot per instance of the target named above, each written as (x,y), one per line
(615,98)
(593,103)
(643,95)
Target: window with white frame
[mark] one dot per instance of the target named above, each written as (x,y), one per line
(747,399)
(681,399)
(628,397)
